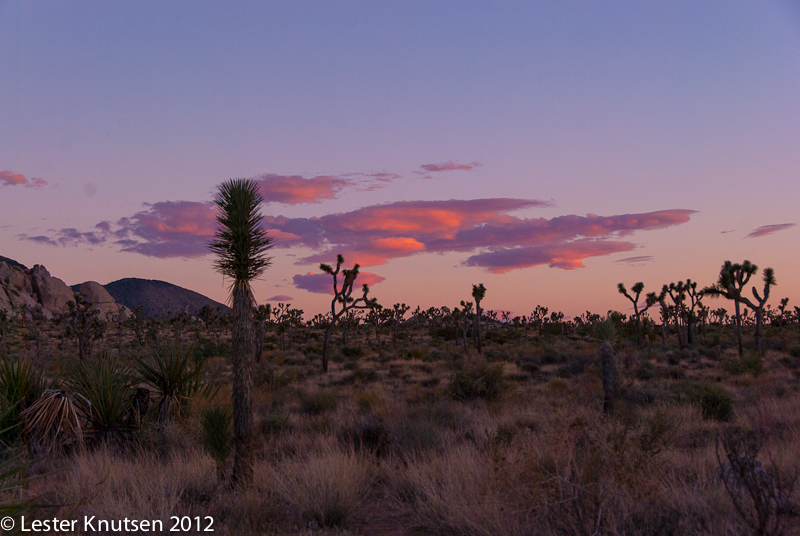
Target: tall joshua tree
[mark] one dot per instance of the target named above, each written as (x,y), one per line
(732,279)
(637,291)
(240,246)
(478,292)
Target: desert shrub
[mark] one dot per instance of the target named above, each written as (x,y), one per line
(572,369)
(328,489)
(276,421)
(760,494)
(419,432)
(317,402)
(353,351)
(52,422)
(217,434)
(715,401)
(369,434)
(750,363)
(478,379)
(104,394)
(645,371)
(21,383)
(175,380)
(496,336)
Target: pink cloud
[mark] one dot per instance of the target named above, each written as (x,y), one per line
(373,235)
(294,189)
(323,283)
(280,298)
(769,229)
(169,229)
(636,260)
(9,178)
(449,166)
(564,255)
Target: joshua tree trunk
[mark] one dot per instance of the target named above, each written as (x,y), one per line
(242,352)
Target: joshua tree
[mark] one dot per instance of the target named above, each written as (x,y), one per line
(240,246)
(261,315)
(690,288)
(398,312)
(677,292)
(769,281)
(637,291)
(732,279)
(82,324)
(343,299)
(478,292)
(653,298)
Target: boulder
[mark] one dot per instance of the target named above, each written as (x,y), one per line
(100,298)
(5,302)
(20,299)
(15,277)
(52,292)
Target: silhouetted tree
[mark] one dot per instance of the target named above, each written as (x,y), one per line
(637,291)
(240,246)
(478,292)
(758,307)
(732,279)
(342,299)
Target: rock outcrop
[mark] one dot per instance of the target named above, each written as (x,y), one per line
(102,302)
(22,289)
(52,292)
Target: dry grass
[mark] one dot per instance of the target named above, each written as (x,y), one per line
(401,451)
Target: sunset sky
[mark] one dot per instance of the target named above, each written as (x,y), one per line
(548,150)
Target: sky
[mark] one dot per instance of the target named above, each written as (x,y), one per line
(548,150)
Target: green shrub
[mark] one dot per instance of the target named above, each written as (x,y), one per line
(104,394)
(715,401)
(317,402)
(217,434)
(478,379)
(21,384)
(175,380)
(749,363)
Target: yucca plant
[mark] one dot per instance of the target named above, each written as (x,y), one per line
(53,422)
(217,435)
(104,392)
(171,372)
(606,330)
(10,479)
(21,383)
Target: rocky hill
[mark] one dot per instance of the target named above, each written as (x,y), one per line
(29,289)
(158,297)
(22,288)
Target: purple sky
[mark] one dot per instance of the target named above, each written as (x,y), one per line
(547,150)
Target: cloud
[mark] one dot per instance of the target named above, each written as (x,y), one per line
(448,166)
(636,260)
(67,237)
(373,235)
(169,229)
(280,298)
(564,255)
(769,229)
(9,178)
(323,283)
(296,189)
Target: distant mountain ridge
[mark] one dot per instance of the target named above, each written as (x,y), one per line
(158,297)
